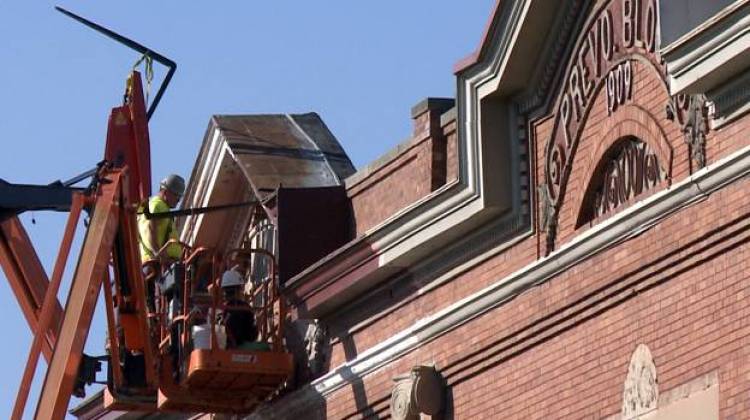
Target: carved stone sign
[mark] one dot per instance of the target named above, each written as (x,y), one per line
(641,391)
(619,34)
(628,170)
(619,86)
(622,30)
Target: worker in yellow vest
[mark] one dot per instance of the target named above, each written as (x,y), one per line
(154,233)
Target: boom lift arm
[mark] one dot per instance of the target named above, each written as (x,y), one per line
(177,373)
(110,237)
(27,278)
(60,335)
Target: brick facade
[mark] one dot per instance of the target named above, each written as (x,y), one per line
(559,349)
(537,301)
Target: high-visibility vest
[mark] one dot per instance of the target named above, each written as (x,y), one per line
(165,230)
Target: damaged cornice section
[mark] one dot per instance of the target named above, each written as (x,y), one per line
(246,156)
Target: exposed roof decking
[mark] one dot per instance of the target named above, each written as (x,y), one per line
(247,156)
(288,150)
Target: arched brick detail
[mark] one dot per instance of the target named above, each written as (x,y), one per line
(630,121)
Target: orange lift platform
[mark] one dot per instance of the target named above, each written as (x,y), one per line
(161,356)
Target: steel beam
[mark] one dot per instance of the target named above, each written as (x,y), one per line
(17,198)
(171,65)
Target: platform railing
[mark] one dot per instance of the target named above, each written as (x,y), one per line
(200,295)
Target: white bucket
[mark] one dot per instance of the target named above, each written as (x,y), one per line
(202,336)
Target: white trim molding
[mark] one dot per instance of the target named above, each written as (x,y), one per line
(712,53)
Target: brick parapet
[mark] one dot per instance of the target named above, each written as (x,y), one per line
(378,191)
(449,124)
(645,119)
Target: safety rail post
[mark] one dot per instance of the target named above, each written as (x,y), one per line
(278,318)
(155,318)
(113,339)
(188,287)
(216,284)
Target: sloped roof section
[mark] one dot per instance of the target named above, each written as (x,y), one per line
(290,150)
(247,157)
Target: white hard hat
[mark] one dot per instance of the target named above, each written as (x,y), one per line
(232,278)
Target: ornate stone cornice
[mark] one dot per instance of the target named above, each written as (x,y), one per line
(554,53)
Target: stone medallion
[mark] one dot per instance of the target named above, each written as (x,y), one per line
(641,392)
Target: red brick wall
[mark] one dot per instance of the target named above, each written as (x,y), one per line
(561,350)
(385,191)
(650,99)
(645,118)
(407,174)
(728,139)
(386,323)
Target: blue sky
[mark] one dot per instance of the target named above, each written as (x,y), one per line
(360,65)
